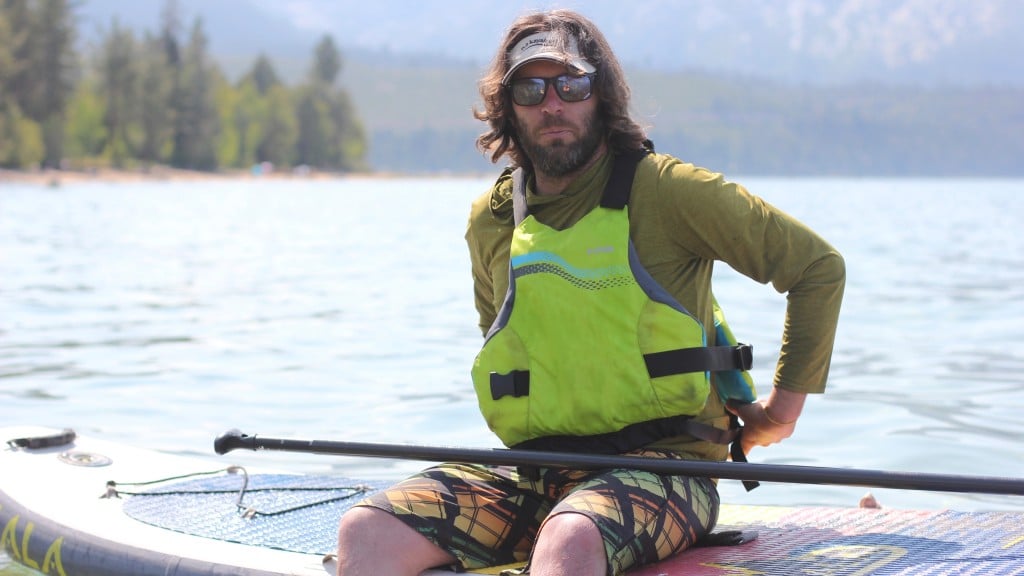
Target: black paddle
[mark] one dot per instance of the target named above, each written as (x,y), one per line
(234,439)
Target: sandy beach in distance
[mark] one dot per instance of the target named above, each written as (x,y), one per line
(58,177)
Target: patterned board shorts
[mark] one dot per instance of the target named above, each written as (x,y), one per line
(491,515)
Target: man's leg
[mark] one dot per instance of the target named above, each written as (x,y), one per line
(372,542)
(473,516)
(613,520)
(570,544)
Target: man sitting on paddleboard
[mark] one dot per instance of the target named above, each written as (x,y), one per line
(592,263)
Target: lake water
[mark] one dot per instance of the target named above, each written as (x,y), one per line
(164,313)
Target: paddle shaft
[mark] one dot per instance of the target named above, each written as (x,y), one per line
(234,439)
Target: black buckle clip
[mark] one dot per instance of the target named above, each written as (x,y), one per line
(744,356)
(516,383)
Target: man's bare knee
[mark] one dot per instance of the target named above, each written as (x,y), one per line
(569,543)
(373,542)
(360,521)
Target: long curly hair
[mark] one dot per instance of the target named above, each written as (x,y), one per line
(611,90)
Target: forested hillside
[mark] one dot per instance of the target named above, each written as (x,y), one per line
(79,92)
(746,125)
(134,100)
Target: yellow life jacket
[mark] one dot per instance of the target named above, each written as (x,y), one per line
(588,353)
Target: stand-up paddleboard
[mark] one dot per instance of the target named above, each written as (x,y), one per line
(78,506)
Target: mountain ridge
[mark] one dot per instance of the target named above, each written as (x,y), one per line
(801,41)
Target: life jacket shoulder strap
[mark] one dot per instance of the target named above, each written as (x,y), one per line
(519,208)
(620,184)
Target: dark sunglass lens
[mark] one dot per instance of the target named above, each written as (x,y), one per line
(573,88)
(528,91)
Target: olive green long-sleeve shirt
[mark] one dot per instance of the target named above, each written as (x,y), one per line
(683,219)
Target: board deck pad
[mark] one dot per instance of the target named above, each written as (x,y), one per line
(300,513)
(857,541)
(293,512)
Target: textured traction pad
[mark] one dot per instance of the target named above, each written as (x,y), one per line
(298,513)
(855,542)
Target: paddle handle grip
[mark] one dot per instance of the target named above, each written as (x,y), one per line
(232,440)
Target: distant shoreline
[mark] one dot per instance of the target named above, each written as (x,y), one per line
(56,178)
(163,173)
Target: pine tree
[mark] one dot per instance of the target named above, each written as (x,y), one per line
(55,66)
(280,132)
(120,88)
(85,134)
(263,76)
(21,80)
(327,62)
(157,115)
(249,120)
(328,133)
(197,124)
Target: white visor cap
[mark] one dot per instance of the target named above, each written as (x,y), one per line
(545,46)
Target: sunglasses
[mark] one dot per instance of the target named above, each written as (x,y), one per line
(570,88)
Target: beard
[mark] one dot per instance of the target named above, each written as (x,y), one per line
(559,158)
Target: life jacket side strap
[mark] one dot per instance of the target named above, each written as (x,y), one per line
(632,437)
(736,449)
(703,359)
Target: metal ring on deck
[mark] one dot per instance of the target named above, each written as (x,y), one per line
(80,458)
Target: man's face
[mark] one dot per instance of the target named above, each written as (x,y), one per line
(559,137)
